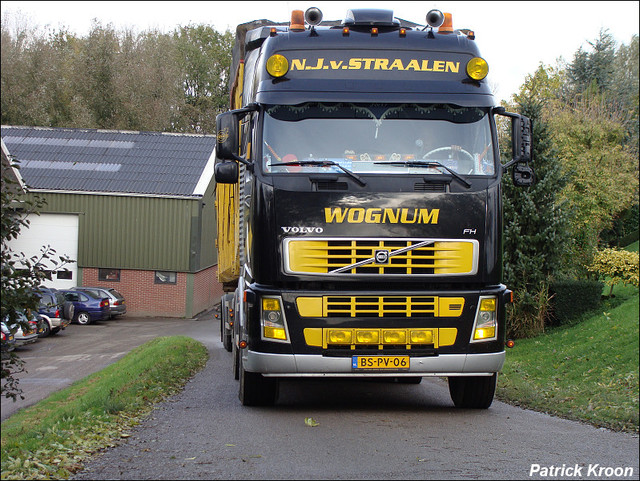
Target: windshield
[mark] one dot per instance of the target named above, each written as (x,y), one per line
(365,137)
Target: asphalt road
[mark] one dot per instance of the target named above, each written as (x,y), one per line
(366,430)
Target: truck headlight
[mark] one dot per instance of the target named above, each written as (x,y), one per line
(274,326)
(485,327)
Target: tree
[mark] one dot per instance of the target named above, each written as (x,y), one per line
(204,57)
(535,223)
(20,276)
(602,171)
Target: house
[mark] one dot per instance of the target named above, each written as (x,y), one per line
(135,210)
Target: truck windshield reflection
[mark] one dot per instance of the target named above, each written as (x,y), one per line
(362,137)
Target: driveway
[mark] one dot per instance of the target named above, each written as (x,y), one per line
(57,361)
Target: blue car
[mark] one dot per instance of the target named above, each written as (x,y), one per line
(88,307)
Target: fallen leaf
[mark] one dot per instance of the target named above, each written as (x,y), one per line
(311,422)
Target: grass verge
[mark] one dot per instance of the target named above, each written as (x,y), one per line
(50,439)
(586,372)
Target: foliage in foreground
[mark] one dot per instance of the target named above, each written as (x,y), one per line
(587,372)
(616,266)
(50,439)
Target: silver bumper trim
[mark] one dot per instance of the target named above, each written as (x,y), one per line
(315,365)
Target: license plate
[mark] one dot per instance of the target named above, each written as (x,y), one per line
(380,362)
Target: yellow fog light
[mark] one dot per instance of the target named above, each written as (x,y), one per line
(477,68)
(488,304)
(339,336)
(273,320)
(277,65)
(270,304)
(485,333)
(275,333)
(369,336)
(421,337)
(394,336)
(486,323)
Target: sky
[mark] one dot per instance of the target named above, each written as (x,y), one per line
(513,36)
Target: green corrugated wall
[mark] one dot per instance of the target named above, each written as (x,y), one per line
(148,233)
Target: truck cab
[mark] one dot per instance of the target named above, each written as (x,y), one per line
(359,205)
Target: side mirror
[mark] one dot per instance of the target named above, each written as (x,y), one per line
(226,172)
(521,139)
(523,175)
(521,144)
(227,136)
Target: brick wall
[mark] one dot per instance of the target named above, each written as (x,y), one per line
(145,298)
(206,290)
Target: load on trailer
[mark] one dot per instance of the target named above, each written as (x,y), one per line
(359,205)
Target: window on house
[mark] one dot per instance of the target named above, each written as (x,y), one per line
(109,275)
(164,277)
(64,275)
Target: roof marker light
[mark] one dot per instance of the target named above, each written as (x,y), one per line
(297,20)
(447,25)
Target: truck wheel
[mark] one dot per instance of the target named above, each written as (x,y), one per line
(474,392)
(83,318)
(225,334)
(257,390)
(236,362)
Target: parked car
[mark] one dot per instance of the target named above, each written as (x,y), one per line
(8,341)
(116,300)
(55,310)
(21,336)
(88,307)
(36,321)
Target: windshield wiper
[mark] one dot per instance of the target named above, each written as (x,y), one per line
(431,163)
(321,163)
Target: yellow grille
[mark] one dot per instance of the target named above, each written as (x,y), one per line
(381,257)
(380,306)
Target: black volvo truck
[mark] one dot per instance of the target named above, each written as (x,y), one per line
(359,205)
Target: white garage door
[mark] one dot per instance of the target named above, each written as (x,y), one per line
(60,231)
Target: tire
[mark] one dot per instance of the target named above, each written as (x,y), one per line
(473,392)
(47,330)
(255,389)
(226,340)
(225,334)
(68,310)
(83,318)
(236,361)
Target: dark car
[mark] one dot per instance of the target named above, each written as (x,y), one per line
(55,310)
(116,300)
(88,307)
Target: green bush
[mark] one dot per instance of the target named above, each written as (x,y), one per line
(573,297)
(616,266)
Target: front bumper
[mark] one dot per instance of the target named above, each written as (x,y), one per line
(312,365)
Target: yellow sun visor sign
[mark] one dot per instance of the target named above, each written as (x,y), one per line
(376,64)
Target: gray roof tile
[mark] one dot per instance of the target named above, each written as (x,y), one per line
(109,161)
